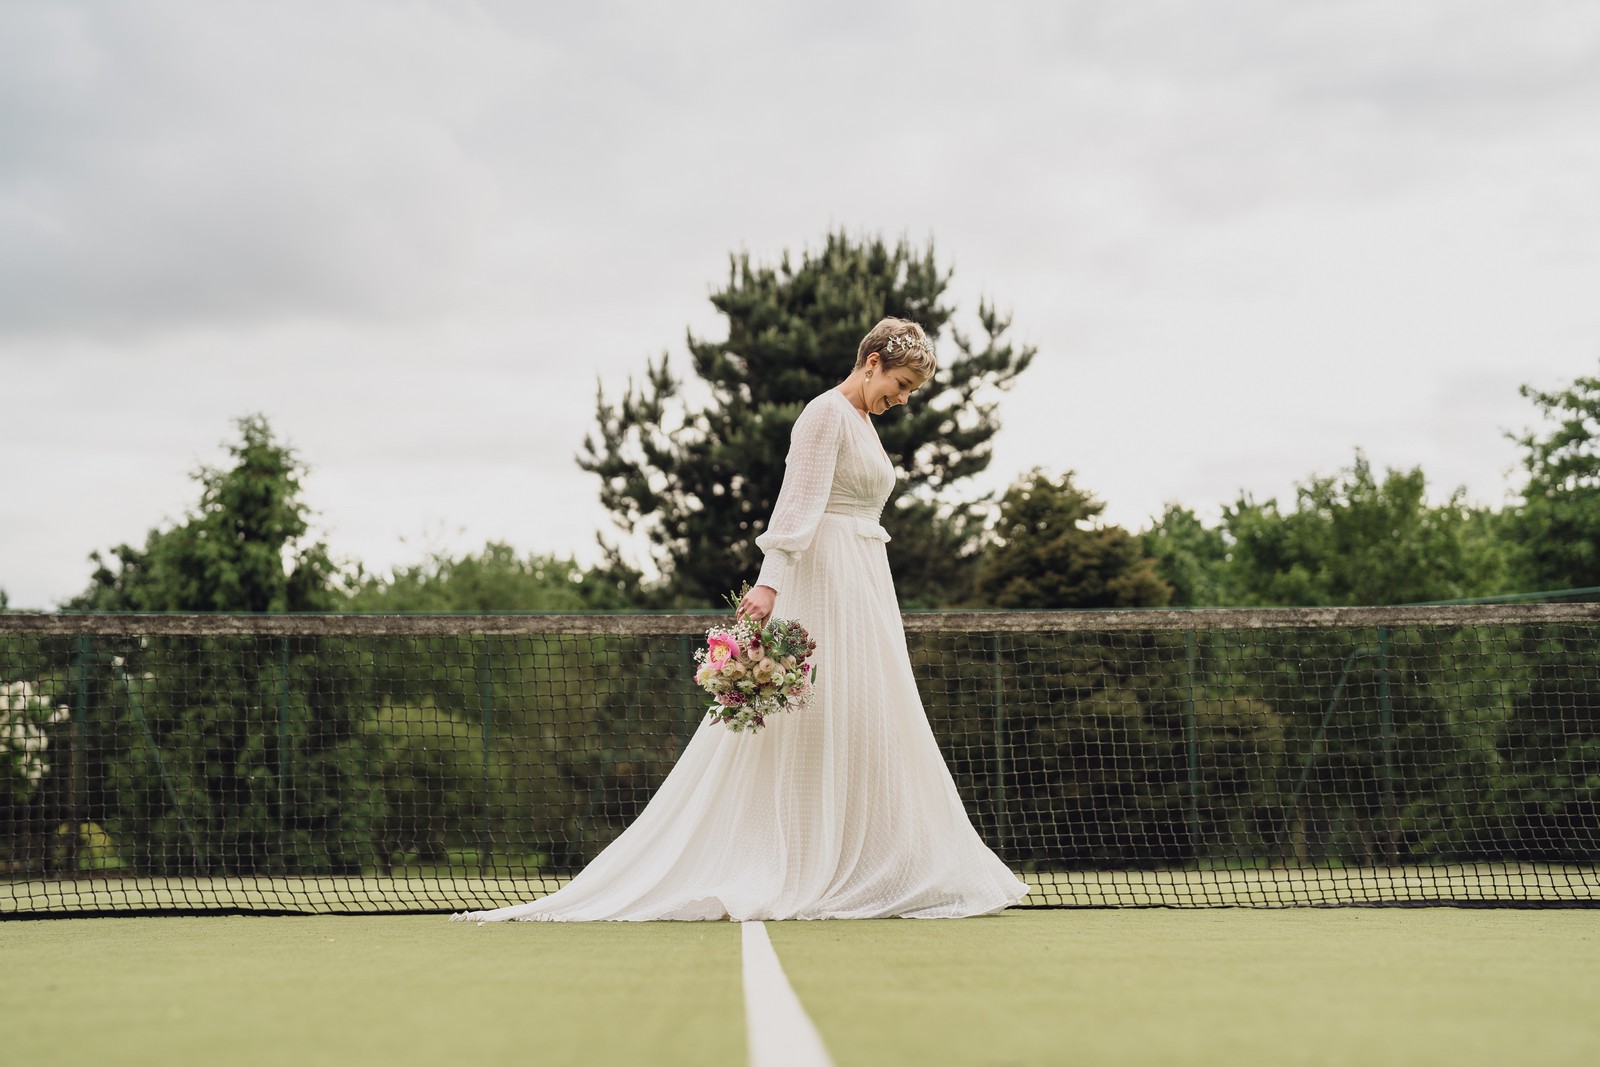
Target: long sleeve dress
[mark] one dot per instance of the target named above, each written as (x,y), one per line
(842,810)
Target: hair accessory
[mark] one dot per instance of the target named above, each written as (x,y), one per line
(905,342)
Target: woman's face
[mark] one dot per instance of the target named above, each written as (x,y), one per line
(889,388)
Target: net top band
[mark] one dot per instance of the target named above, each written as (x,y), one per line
(1197,619)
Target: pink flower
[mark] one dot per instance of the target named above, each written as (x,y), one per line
(722,647)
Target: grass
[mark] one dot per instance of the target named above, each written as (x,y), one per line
(1129,987)
(393,990)
(1315,986)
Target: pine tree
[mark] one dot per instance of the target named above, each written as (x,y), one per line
(699,481)
(1051,551)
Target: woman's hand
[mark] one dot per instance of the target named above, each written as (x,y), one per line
(757,603)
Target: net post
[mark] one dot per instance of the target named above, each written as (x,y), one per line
(486,709)
(1386,740)
(997,791)
(283,755)
(78,769)
(1191,735)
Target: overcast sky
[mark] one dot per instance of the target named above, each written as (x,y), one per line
(1247,238)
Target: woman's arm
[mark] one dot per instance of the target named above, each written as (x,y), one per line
(807,481)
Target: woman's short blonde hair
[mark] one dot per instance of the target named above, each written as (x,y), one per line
(899,343)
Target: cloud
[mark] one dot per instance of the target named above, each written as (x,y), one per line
(1247,237)
(171,164)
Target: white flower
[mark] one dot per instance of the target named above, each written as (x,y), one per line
(33,739)
(16,696)
(24,714)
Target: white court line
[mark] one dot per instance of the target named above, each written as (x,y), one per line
(781,1033)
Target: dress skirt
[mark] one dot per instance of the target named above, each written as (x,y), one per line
(842,810)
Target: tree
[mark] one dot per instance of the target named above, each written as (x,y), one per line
(1557,527)
(1545,803)
(1351,539)
(231,755)
(937,551)
(699,481)
(1190,556)
(1050,551)
(243,549)
(495,579)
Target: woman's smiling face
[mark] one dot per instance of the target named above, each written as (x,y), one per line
(888,388)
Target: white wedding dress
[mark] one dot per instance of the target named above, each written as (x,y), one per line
(842,810)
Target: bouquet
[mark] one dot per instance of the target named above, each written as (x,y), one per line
(753,669)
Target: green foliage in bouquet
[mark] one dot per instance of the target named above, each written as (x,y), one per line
(754,668)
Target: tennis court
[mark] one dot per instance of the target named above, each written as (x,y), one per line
(1225,986)
(253,827)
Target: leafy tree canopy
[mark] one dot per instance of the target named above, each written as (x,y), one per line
(244,548)
(698,478)
(1190,556)
(1557,526)
(495,579)
(1352,539)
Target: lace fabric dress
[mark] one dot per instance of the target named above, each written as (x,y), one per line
(843,810)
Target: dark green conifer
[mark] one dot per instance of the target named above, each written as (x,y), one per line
(696,471)
(1051,551)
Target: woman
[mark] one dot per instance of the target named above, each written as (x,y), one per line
(842,810)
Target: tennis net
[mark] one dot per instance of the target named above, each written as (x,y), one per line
(1446,755)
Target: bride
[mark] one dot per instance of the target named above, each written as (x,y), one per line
(842,810)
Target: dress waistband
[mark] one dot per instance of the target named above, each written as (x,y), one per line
(864,526)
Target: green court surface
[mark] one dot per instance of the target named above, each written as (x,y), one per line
(381,990)
(1300,986)
(1234,986)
